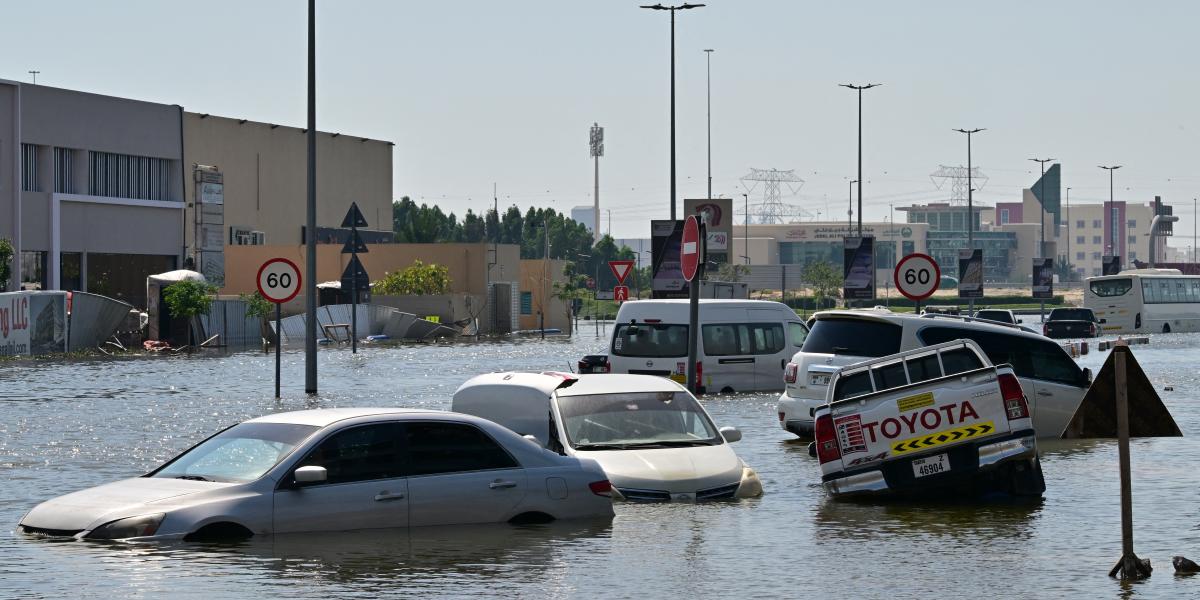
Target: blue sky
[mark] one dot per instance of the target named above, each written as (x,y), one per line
(476,92)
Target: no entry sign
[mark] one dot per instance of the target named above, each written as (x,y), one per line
(278,280)
(689,248)
(917,276)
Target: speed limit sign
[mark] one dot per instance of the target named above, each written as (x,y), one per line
(917,276)
(279,280)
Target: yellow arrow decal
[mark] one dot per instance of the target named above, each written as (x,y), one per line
(942,437)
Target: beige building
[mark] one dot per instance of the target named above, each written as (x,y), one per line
(537,295)
(251,182)
(812,241)
(1084,239)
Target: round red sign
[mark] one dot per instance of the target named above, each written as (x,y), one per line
(917,276)
(689,248)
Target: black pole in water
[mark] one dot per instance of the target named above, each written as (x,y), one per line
(278,332)
(354,294)
(1130,566)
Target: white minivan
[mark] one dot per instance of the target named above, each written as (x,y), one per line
(744,344)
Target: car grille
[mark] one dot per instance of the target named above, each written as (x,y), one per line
(50,532)
(645,495)
(724,492)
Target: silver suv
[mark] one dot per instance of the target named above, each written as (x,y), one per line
(1050,378)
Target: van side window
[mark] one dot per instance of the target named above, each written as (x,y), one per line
(853,385)
(721,340)
(960,360)
(768,338)
(924,368)
(890,376)
(742,339)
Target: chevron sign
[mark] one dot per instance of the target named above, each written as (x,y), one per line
(942,437)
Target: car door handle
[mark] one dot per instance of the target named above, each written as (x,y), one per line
(735,361)
(385,496)
(1044,393)
(500,485)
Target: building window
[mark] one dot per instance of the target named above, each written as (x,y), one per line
(1095,256)
(62,171)
(125,176)
(1079,239)
(1096,224)
(1080,255)
(1132,239)
(1096,240)
(33,270)
(1132,255)
(69,271)
(1133,223)
(1079,224)
(527,303)
(1003,216)
(29,168)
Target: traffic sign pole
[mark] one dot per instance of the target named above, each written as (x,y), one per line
(691,258)
(278,349)
(278,281)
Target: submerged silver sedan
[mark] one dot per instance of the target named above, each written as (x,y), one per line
(335,470)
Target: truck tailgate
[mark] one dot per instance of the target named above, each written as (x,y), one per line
(919,418)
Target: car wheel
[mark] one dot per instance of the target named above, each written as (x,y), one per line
(1166,328)
(219,532)
(727,390)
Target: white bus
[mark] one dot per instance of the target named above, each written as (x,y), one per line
(1145,301)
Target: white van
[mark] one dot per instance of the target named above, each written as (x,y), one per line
(744,344)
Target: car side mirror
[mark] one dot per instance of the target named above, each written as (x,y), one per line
(310,475)
(731,434)
(1087,375)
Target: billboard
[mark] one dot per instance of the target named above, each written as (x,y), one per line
(667,275)
(858,268)
(718,216)
(1043,278)
(1110,265)
(970,273)
(33,323)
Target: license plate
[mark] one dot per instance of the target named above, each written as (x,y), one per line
(818,378)
(930,465)
(679,378)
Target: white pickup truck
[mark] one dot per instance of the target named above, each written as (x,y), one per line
(938,421)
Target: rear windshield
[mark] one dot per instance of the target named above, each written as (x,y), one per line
(1111,287)
(1002,316)
(654,340)
(853,337)
(1072,314)
(1029,356)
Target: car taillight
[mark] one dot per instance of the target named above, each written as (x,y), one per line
(789,373)
(1045,329)
(699,377)
(601,488)
(606,367)
(827,444)
(1014,398)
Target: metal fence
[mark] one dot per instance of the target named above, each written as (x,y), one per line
(228,319)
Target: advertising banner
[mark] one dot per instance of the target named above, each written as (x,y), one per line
(1043,278)
(718,215)
(970,273)
(1111,265)
(858,268)
(667,275)
(33,323)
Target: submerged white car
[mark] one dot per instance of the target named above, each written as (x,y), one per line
(335,470)
(653,439)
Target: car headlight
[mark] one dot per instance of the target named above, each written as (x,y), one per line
(131,527)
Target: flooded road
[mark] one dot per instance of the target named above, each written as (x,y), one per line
(71,425)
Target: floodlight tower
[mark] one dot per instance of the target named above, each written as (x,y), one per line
(596,144)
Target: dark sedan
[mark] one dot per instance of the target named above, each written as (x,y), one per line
(1071,323)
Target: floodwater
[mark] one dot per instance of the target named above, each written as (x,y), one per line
(71,425)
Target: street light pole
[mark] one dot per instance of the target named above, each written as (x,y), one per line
(970,206)
(708,89)
(672,9)
(860,89)
(310,230)
(1109,244)
(1067,262)
(850,209)
(1042,203)
(746,226)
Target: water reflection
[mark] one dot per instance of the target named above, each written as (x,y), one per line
(960,522)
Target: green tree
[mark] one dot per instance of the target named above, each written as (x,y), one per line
(188,300)
(416,280)
(6,256)
(825,281)
(732,271)
(256,305)
(570,289)
(472,226)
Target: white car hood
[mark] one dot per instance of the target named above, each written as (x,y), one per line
(117,500)
(674,470)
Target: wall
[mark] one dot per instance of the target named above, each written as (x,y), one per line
(540,285)
(265,170)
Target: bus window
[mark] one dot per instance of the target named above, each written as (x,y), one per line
(1111,287)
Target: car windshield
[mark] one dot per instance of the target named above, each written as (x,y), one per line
(1071,314)
(635,420)
(239,454)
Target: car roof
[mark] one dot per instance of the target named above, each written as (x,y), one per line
(920,320)
(618,383)
(322,417)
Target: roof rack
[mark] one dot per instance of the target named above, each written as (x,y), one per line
(966,318)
